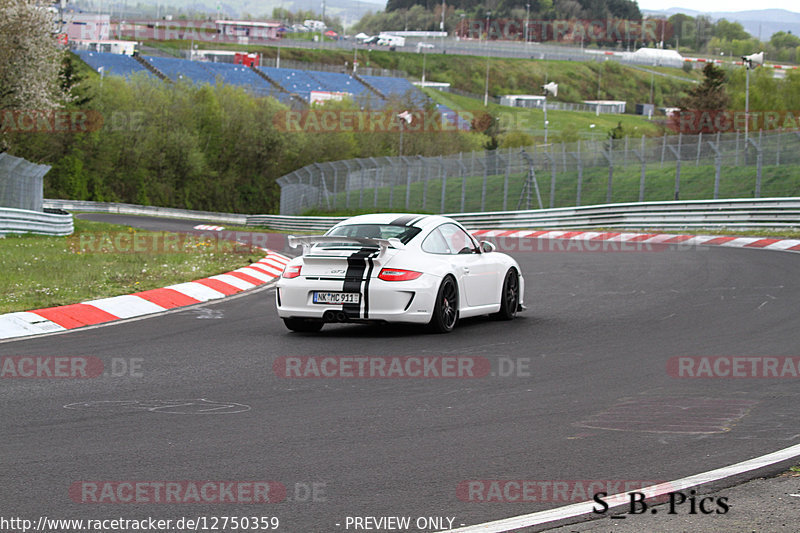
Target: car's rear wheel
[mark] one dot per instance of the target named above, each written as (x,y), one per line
(303,325)
(445,311)
(509,296)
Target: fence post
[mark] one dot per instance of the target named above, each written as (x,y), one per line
(485,178)
(505,180)
(610,158)
(375,192)
(347,185)
(361,184)
(699,146)
(464,183)
(759,154)
(717,164)
(737,148)
(663,150)
(335,184)
(778,149)
(625,154)
(579,163)
(444,184)
(424,176)
(408,180)
(643,160)
(677,154)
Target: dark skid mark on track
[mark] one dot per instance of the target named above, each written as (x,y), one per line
(689,414)
(198,406)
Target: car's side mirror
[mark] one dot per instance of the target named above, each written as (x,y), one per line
(487,247)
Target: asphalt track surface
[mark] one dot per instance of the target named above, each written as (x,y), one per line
(595,403)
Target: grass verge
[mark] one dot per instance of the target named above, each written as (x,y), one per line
(41,271)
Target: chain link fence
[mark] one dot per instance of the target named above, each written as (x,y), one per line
(21,183)
(587,172)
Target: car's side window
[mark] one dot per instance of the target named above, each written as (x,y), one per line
(457,239)
(449,239)
(435,243)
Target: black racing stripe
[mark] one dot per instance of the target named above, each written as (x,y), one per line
(403,220)
(353,277)
(366,283)
(418,219)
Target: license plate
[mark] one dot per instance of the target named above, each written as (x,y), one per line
(337,297)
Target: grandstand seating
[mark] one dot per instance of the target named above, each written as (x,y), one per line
(181,69)
(397,87)
(112,64)
(299,82)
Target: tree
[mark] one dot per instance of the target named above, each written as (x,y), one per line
(30,60)
(710,95)
(730,31)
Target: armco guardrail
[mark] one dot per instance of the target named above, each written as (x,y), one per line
(709,214)
(24,221)
(133,209)
(292,223)
(765,213)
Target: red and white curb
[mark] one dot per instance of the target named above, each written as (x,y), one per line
(65,317)
(208,227)
(790,245)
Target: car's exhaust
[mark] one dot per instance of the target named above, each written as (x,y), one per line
(335,316)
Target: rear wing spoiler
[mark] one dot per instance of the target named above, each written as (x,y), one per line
(382,244)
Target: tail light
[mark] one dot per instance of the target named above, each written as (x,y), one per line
(398,274)
(292,271)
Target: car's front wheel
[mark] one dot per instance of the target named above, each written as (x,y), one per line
(445,311)
(303,325)
(509,296)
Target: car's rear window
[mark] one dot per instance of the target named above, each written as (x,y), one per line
(375,231)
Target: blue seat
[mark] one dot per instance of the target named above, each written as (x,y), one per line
(112,64)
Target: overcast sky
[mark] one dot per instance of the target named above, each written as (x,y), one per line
(720,5)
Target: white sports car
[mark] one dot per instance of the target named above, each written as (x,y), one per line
(422,269)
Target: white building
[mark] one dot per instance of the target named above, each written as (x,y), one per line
(531,101)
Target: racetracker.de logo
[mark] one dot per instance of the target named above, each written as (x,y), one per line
(587,242)
(49,121)
(47,367)
(177,492)
(133,242)
(414,367)
(694,121)
(561,30)
(549,490)
(734,367)
(320,120)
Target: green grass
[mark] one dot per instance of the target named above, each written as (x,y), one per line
(41,271)
(563,125)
